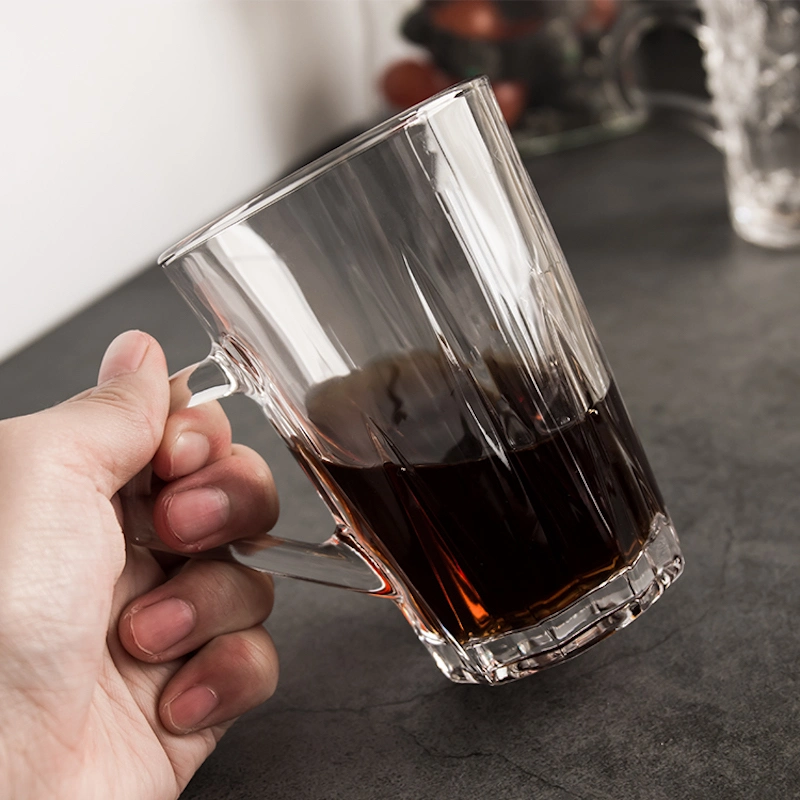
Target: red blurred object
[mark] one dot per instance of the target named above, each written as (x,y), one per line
(472,19)
(600,16)
(540,55)
(512,97)
(406,83)
(479,19)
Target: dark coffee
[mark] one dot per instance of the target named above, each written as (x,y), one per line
(488,539)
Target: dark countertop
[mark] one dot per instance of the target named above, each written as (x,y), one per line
(699,698)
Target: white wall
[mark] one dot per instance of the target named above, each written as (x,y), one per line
(125,125)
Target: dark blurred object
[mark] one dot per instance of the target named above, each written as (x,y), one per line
(670,58)
(552,64)
(657,65)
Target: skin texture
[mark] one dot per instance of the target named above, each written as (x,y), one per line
(119,669)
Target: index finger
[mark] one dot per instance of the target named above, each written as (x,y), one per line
(193,438)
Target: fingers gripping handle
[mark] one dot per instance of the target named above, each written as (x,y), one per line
(335,562)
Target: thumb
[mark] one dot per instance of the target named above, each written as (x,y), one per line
(112,431)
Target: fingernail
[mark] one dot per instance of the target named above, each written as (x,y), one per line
(189,453)
(125,354)
(187,710)
(196,513)
(158,627)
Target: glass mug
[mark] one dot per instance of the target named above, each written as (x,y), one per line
(401,311)
(751,53)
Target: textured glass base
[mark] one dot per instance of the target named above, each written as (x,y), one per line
(767,228)
(602,611)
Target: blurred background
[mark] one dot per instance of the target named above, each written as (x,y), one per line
(127,125)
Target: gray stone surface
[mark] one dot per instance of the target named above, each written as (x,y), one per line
(699,698)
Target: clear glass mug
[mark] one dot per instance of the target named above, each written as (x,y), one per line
(401,311)
(752,58)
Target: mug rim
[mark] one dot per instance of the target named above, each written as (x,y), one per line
(320,166)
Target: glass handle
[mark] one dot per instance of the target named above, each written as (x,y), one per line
(335,562)
(693,113)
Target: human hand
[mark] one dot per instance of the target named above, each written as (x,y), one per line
(118,677)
